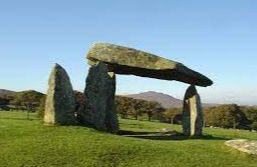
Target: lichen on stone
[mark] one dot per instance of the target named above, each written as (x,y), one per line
(60,102)
(192,113)
(124,60)
(100,111)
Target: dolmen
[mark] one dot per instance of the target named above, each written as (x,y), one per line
(106,60)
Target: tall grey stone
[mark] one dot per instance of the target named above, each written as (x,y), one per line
(192,113)
(60,101)
(100,111)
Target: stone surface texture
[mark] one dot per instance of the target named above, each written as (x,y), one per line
(123,60)
(60,102)
(192,113)
(243,145)
(100,111)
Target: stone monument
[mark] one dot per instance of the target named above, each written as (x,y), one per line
(100,93)
(60,102)
(192,116)
(106,60)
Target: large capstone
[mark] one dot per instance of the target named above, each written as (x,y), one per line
(100,92)
(60,102)
(123,60)
(192,113)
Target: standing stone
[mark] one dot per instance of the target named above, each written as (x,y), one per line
(192,113)
(100,111)
(60,102)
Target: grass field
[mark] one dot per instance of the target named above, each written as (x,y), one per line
(28,143)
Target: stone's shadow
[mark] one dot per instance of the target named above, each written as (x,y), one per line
(166,136)
(21,119)
(128,133)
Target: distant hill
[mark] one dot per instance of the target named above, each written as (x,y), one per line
(7,94)
(167,101)
(4,91)
(13,94)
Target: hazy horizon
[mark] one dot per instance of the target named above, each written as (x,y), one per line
(215,38)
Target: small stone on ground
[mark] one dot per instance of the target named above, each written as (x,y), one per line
(247,146)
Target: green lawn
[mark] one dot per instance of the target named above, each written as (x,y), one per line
(29,143)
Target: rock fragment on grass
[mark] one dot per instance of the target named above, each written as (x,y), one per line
(247,146)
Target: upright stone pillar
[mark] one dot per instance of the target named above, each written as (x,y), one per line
(100,111)
(60,102)
(192,113)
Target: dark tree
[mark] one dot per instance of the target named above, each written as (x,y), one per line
(225,116)
(80,103)
(172,115)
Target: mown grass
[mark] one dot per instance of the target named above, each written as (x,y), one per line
(29,143)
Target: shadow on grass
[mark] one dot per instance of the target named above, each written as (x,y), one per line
(21,119)
(166,136)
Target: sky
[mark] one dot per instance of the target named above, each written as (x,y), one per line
(217,38)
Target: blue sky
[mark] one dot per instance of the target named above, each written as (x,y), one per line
(217,38)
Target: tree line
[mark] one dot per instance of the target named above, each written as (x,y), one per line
(224,116)
(134,108)
(231,116)
(25,100)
